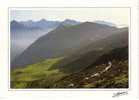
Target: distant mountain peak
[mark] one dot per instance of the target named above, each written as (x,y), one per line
(105,23)
(70,22)
(87,22)
(16,25)
(43,20)
(14,21)
(30,20)
(61,40)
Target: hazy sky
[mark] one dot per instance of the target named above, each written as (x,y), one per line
(119,16)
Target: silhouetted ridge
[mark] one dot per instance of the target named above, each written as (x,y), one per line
(62,41)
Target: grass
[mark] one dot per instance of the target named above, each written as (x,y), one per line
(42,75)
(39,73)
(115,77)
(90,85)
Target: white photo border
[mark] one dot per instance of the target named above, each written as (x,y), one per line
(73,89)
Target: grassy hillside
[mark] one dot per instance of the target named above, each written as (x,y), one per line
(114,77)
(43,75)
(36,75)
(87,55)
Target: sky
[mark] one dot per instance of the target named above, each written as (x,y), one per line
(118,16)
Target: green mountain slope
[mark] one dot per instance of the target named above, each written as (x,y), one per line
(40,75)
(115,77)
(102,63)
(35,75)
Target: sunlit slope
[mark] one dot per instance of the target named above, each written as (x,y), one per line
(36,75)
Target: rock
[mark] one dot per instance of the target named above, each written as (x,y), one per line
(71,85)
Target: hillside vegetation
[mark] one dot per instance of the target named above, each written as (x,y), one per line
(36,75)
(42,75)
(87,55)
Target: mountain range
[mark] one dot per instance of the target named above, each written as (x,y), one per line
(73,55)
(24,33)
(62,41)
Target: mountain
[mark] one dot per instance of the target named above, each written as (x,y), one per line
(85,55)
(102,74)
(91,54)
(105,23)
(100,64)
(62,41)
(43,23)
(70,22)
(109,71)
(16,26)
(25,33)
(23,28)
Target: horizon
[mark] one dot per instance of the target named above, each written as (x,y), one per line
(95,21)
(118,16)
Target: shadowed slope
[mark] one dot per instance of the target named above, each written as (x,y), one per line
(62,41)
